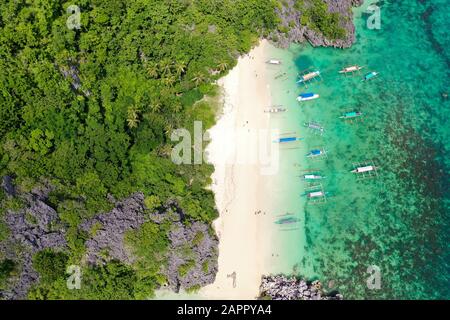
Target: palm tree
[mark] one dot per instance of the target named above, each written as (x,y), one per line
(152,70)
(222,66)
(177,108)
(180,68)
(133,117)
(199,78)
(169,80)
(155,106)
(165,65)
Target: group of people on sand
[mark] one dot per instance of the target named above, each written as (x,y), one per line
(259,212)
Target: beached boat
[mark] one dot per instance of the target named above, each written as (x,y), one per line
(275,110)
(351,114)
(307,96)
(287,220)
(288,139)
(351,69)
(274,62)
(308,76)
(316,153)
(370,76)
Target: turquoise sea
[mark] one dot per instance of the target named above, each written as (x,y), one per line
(398,221)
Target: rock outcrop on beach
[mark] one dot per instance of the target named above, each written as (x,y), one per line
(280,287)
(36,226)
(293,31)
(200,262)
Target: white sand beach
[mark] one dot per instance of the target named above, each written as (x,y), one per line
(240,187)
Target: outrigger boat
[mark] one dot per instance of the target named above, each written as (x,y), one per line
(351,115)
(364,170)
(274,62)
(275,110)
(370,76)
(351,69)
(287,220)
(316,153)
(316,194)
(308,76)
(312,177)
(288,139)
(307,96)
(314,126)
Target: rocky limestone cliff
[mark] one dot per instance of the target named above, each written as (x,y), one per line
(291,17)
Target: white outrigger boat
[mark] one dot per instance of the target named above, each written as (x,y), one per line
(351,69)
(307,96)
(274,62)
(316,194)
(364,169)
(311,177)
(308,76)
(314,126)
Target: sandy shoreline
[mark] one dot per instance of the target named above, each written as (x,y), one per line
(240,187)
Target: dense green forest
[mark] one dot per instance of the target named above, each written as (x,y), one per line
(90,111)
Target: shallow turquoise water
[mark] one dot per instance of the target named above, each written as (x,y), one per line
(399,220)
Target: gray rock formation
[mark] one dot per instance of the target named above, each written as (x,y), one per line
(127,215)
(290,18)
(32,229)
(204,253)
(280,287)
(8,186)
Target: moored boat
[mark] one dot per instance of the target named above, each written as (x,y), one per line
(351,69)
(307,96)
(310,177)
(351,114)
(370,76)
(308,76)
(315,153)
(364,169)
(314,126)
